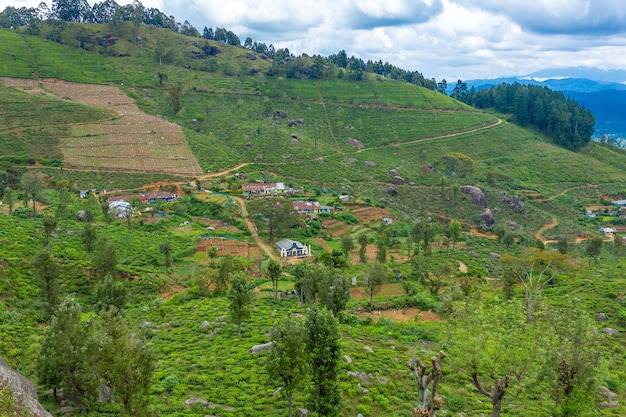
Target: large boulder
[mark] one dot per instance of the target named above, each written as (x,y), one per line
(476,195)
(487,217)
(398,180)
(23,391)
(256,349)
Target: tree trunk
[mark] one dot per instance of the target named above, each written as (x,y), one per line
(167,397)
(239,329)
(289,401)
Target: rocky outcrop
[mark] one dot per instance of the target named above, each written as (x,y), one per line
(476,195)
(24,392)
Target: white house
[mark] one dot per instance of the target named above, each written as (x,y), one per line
(607,230)
(121,209)
(292,248)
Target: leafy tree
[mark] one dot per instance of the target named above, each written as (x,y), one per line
(497,348)
(32,185)
(104,207)
(347,246)
(381,244)
(166,250)
(309,278)
(435,276)
(110,292)
(323,342)
(617,252)
(46,269)
(66,359)
(9,198)
(89,237)
(287,360)
(572,360)
(335,293)
(169,383)
(277,213)
(562,245)
(63,207)
(375,279)
(105,258)
(49,226)
(594,247)
(362,240)
(240,296)
(273,270)
(458,163)
(454,233)
(535,270)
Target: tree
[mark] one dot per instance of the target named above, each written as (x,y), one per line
(89,238)
(496,347)
(64,201)
(347,246)
(49,226)
(166,250)
(375,279)
(458,163)
(175,94)
(287,360)
(104,207)
(46,269)
(362,240)
(594,247)
(535,270)
(454,233)
(105,258)
(32,185)
(110,292)
(427,385)
(335,293)
(562,245)
(169,383)
(66,359)
(617,252)
(240,296)
(273,271)
(381,244)
(9,198)
(277,213)
(323,343)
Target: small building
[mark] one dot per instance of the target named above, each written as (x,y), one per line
(292,248)
(621,203)
(261,188)
(387,220)
(607,230)
(146,198)
(120,209)
(590,214)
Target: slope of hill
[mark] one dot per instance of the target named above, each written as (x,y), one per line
(422,156)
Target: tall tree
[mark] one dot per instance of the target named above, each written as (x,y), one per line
(49,226)
(273,270)
(376,277)
(335,293)
(347,246)
(454,233)
(89,237)
(594,247)
(287,360)
(617,252)
(32,185)
(166,250)
(169,383)
(277,213)
(9,198)
(46,269)
(381,244)
(105,258)
(110,292)
(240,296)
(362,240)
(323,342)
(427,381)
(64,201)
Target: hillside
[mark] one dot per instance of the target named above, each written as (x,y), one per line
(149,110)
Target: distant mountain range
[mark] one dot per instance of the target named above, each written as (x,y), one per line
(601,91)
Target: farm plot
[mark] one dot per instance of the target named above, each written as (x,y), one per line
(134,141)
(367,214)
(228,247)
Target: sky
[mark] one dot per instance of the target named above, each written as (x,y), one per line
(452,39)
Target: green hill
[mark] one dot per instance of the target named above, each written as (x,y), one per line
(395,148)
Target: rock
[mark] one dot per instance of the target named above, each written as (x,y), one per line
(223,407)
(251,57)
(258,158)
(263,56)
(70,233)
(382,200)
(351,160)
(369,163)
(610,331)
(347,358)
(487,217)
(363,389)
(221,318)
(368,349)
(81,216)
(514,202)
(204,324)
(411,183)
(195,400)
(294,136)
(391,191)
(602,317)
(512,224)
(145,324)
(393,172)
(609,404)
(254,350)
(194,121)
(425,168)
(398,180)
(281,113)
(356,143)
(476,195)
(382,380)
(277,392)
(493,255)
(607,393)
(212,334)
(302,412)
(23,391)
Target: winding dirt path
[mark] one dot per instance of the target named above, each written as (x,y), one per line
(253,232)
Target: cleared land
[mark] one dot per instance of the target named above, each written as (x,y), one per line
(133,141)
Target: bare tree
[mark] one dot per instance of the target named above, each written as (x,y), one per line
(427,385)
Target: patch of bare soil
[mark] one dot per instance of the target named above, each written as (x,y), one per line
(402,315)
(225,246)
(133,141)
(367,214)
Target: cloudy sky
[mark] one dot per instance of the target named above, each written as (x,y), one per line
(454,39)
